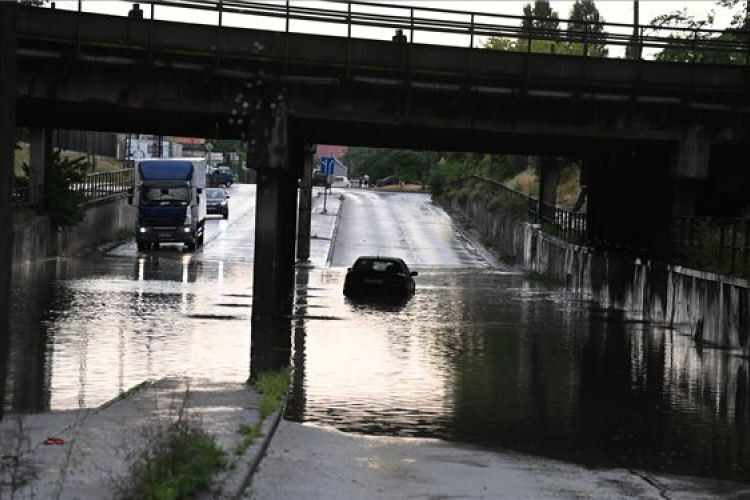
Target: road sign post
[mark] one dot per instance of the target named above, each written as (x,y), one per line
(326,168)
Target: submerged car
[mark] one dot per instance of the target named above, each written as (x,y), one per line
(379,276)
(217,202)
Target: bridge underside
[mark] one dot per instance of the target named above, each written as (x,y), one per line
(656,139)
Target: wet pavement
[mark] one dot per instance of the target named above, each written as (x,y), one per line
(484,377)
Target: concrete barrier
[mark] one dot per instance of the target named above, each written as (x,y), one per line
(35,237)
(714,309)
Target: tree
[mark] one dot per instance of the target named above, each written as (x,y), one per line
(379,163)
(585,26)
(541,19)
(688,43)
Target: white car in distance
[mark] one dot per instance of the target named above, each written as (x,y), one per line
(340,181)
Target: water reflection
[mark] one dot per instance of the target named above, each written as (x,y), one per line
(86,330)
(474,357)
(495,361)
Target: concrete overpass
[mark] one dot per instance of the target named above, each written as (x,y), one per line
(657,139)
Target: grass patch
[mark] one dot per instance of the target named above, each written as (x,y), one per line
(272,386)
(249,434)
(178,463)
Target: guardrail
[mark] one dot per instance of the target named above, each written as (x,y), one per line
(104,184)
(559,222)
(97,186)
(417,24)
(720,245)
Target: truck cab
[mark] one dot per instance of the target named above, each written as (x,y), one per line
(169,196)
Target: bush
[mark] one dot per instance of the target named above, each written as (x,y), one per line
(62,203)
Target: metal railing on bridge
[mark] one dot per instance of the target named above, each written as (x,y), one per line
(417,24)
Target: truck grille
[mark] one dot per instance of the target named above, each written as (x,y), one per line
(152,221)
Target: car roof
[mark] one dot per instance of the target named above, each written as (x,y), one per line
(376,257)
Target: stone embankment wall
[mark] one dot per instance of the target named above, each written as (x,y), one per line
(714,309)
(35,238)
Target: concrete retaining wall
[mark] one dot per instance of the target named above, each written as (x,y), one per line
(35,238)
(714,309)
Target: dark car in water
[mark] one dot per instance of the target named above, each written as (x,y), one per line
(217,202)
(379,276)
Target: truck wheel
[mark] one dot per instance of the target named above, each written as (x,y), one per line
(190,246)
(228,184)
(142,247)
(226,215)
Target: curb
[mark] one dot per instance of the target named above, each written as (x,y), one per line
(329,257)
(235,481)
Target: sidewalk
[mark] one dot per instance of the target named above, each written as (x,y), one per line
(84,455)
(323,226)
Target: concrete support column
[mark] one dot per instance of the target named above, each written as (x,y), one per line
(40,157)
(549,178)
(7,149)
(691,165)
(288,223)
(305,206)
(275,229)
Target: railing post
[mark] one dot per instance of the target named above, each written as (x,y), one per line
(586,39)
(221,12)
(471,30)
(288,12)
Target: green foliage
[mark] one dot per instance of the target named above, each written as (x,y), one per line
(379,163)
(585,23)
(249,434)
(541,32)
(272,386)
(694,46)
(540,18)
(61,202)
(179,463)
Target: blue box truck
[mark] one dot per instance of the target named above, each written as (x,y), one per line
(168,194)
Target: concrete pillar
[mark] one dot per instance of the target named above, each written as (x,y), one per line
(40,157)
(690,166)
(275,228)
(305,207)
(288,223)
(7,152)
(549,178)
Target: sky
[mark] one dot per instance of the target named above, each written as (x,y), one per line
(613,11)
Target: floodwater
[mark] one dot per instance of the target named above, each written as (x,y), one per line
(478,356)
(490,359)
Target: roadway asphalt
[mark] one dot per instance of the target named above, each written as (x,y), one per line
(85,454)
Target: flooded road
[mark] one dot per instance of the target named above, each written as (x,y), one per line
(479,356)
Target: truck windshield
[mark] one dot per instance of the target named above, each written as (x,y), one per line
(174,196)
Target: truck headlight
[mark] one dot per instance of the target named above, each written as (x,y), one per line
(143,230)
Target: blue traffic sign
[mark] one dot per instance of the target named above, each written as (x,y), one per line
(326,165)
